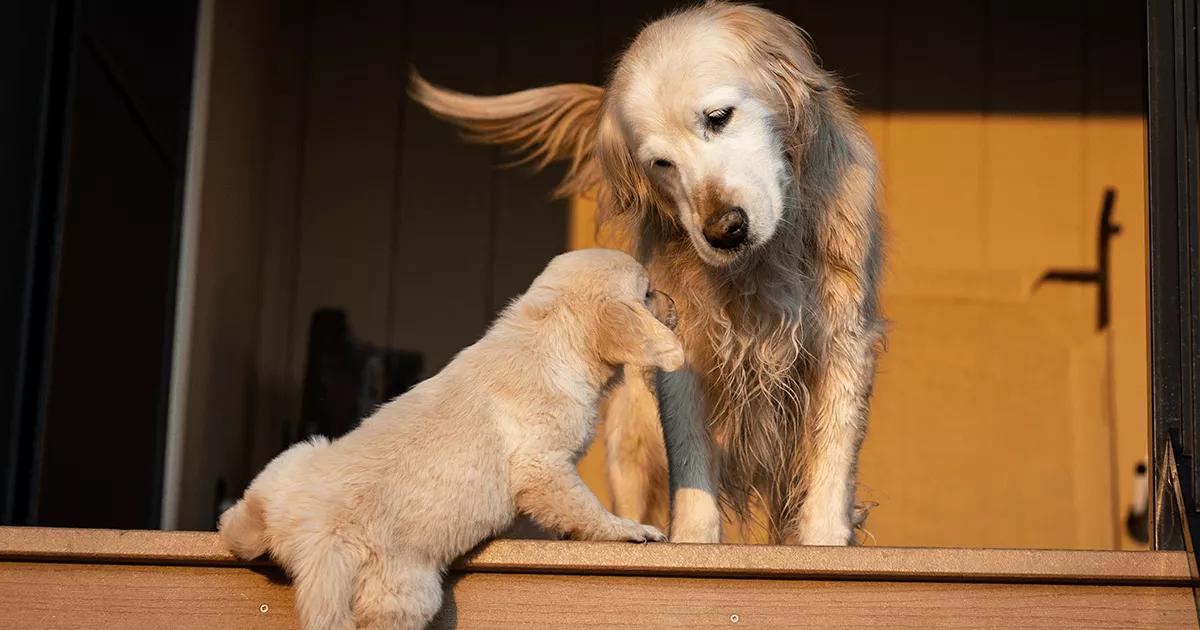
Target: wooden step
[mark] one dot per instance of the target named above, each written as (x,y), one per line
(74,578)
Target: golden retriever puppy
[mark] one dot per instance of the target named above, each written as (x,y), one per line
(367,524)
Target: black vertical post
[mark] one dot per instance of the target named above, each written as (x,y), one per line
(1173,255)
(92,151)
(32,157)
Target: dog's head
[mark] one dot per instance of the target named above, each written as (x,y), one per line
(702,121)
(611,306)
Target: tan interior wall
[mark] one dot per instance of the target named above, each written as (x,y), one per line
(1115,147)
(1006,443)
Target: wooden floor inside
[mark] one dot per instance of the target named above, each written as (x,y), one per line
(66,578)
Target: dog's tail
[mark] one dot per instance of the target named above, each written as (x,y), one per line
(243,529)
(557,122)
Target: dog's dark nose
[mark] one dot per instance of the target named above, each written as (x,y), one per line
(726,231)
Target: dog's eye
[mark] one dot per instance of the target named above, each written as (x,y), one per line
(718,118)
(661,163)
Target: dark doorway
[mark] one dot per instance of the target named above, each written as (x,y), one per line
(103,112)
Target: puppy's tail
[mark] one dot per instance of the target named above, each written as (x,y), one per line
(557,122)
(243,529)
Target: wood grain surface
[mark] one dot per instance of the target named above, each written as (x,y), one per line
(526,556)
(66,578)
(70,595)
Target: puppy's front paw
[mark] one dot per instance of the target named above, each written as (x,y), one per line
(651,533)
(623,529)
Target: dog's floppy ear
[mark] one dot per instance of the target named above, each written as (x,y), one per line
(630,335)
(628,189)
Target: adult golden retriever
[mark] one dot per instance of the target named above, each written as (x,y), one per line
(730,163)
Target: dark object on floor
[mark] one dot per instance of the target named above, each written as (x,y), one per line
(1137,519)
(348,378)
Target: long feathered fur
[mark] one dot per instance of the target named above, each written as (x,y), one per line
(544,124)
(786,337)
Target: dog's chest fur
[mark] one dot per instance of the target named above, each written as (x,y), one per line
(749,337)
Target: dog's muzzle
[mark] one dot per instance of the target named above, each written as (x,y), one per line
(663,308)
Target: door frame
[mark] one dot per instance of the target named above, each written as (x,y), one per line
(1174,270)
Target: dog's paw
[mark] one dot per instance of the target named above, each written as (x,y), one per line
(830,535)
(697,517)
(701,533)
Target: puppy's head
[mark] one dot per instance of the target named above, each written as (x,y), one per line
(702,120)
(608,297)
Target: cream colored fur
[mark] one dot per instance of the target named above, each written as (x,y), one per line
(781,334)
(367,524)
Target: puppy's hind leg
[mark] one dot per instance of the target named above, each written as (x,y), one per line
(395,592)
(323,572)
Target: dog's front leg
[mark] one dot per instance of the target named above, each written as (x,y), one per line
(549,490)
(839,423)
(695,512)
(839,413)
(845,328)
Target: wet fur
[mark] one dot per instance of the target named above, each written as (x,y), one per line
(781,340)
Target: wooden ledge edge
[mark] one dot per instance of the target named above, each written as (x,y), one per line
(1160,568)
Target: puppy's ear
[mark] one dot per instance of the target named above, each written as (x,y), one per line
(630,335)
